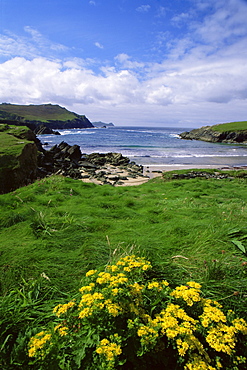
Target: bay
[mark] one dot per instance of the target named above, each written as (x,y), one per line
(157,146)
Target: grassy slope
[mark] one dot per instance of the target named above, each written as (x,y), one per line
(42,113)
(11,146)
(231,126)
(64,227)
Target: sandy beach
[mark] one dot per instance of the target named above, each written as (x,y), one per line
(152,171)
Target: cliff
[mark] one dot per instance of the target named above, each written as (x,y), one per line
(233,132)
(45,117)
(18,157)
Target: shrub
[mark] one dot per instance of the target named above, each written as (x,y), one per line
(122,319)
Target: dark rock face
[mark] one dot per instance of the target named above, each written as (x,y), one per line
(44,130)
(207,134)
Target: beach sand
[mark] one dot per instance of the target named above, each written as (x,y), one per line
(152,171)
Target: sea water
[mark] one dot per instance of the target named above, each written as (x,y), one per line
(151,146)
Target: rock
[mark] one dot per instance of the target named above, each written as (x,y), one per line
(44,130)
(74,152)
(116,159)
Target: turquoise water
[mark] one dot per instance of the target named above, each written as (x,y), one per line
(151,146)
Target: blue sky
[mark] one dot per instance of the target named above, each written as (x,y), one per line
(131,62)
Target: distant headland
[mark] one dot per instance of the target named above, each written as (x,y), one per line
(42,119)
(232,132)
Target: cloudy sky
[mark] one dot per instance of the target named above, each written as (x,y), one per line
(132,62)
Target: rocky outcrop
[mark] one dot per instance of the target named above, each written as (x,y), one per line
(206,133)
(109,168)
(44,130)
(23,160)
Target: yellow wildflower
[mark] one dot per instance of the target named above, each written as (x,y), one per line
(211,313)
(154,285)
(87,311)
(108,349)
(189,293)
(91,272)
(222,338)
(37,344)
(62,308)
(62,330)
(240,325)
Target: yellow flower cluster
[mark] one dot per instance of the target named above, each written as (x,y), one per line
(63,308)
(132,262)
(198,363)
(89,302)
(113,281)
(109,349)
(211,313)
(87,288)
(185,321)
(190,293)
(174,321)
(136,288)
(147,334)
(37,344)
(91,272)
(62,330)
(240,325)
(222,338)
(111,285)
(182,347)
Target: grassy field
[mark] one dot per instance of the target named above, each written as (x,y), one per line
(55,230)
(189,229)
(231,126)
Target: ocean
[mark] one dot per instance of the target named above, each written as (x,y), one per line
(157,146)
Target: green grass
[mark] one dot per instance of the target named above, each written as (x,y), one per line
(11,145)
(53,231)
(64,227)
(231,126)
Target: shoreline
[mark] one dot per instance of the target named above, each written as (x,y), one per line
(154,170)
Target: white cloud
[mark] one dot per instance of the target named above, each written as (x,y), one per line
(30,46)
(99,45)
(143,8)
(177,89)
(180,19)
(125,62)
(203,75)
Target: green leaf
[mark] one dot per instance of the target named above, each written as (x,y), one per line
(239,245)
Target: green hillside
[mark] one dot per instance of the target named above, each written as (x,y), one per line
(44,112)
(12,140)
(52,116)
(231,127)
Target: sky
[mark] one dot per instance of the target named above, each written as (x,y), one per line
(171,63)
